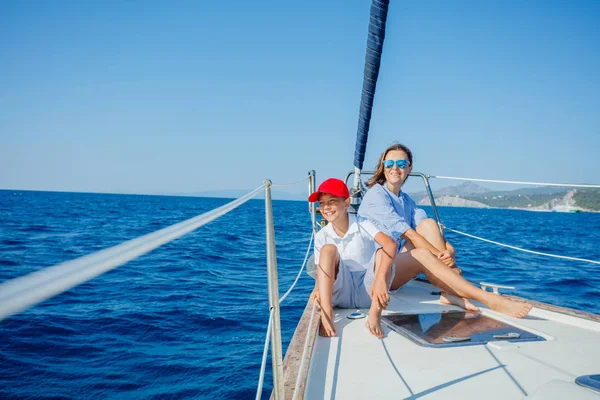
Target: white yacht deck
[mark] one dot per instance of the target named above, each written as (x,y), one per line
(356,365)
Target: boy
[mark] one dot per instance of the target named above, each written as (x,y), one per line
(353,260)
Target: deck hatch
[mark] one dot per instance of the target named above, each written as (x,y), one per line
(455,328)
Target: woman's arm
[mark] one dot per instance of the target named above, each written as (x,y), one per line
(377,207)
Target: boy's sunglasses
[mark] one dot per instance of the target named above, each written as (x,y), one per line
(399,163)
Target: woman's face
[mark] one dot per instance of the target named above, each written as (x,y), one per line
(395,175)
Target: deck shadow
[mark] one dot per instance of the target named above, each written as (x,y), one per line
(395,368)
(450,383)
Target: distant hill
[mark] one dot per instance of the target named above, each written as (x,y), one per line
(464,189)
(588,198)
(470,194)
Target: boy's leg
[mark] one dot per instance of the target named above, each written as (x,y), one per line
(327,271)
(374,318)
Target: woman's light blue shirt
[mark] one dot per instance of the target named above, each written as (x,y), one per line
(393,214)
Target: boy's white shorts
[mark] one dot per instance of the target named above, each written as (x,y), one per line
(351,288)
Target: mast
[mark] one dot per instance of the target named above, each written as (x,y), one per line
(377,20)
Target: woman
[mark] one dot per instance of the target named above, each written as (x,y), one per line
(424,249)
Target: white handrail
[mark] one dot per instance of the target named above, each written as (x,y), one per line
(21,293)
(515,182)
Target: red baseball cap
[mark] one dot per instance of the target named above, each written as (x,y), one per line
(331,186)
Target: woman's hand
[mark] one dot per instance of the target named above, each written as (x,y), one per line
(447,258)
(379,293)
(451,250)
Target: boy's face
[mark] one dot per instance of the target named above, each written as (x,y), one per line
(333,207)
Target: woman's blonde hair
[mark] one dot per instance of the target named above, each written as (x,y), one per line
(379,176)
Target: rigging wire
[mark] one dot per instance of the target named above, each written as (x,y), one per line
(293,183)
(515,182)
(299,272)
(521,249)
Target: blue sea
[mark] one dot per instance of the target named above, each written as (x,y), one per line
(188,320)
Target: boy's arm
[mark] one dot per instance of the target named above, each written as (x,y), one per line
(389,247)
(379,290)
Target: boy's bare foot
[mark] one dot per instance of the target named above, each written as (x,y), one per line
(373,323)
(327,328)
(446,298)
(509,307)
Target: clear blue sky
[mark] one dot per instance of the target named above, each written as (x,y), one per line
(158,97)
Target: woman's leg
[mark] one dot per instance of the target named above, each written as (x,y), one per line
(441,276)
(374,319)
(429,229)
(407,267)
(327,271)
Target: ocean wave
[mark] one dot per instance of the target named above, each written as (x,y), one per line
(189,319)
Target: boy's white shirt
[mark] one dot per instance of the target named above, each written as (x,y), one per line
(356,249)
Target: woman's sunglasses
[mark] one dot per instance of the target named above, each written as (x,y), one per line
(399,163)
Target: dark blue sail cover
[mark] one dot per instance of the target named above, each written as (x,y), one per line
(379,10)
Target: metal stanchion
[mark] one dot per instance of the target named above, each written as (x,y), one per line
(276,352)
(312,207)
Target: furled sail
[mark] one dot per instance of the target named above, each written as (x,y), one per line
(378,17)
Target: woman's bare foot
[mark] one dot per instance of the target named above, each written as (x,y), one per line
(508,307)
(446,298)
(373,323)
(327,328)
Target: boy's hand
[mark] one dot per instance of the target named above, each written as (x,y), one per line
(379,293)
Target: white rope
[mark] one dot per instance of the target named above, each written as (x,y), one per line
(264,358)
(516,182)
(524,250)
(20,293)
(300,272)
(305,351)
(293,183)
